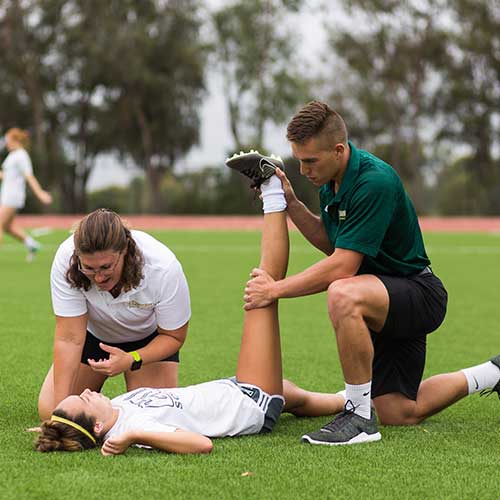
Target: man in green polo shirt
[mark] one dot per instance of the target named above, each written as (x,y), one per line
(383,298)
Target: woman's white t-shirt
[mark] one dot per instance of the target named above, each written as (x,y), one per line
(15,168)
(161,299)
(215,409)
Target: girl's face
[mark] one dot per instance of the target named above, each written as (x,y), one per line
(11,143)
(93,404)
(102,268)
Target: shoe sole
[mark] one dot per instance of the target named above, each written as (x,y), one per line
(359,439)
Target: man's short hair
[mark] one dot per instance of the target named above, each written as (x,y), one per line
(316,119)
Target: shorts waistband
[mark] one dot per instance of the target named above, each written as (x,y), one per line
(424,271)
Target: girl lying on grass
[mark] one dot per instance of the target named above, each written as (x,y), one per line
(182,420)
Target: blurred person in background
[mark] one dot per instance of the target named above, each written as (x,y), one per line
(17,170)
(122,305)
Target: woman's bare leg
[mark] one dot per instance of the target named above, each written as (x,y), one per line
(259,361)
(304,403)
(7,216)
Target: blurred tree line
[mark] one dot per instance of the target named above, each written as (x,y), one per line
(418,83)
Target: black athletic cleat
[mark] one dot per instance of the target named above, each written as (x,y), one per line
(496,388)
(346,428)
(256,166)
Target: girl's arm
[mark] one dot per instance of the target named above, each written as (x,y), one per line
(43,196)
(175,442)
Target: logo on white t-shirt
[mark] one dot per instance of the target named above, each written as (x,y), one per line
(154,398)
(138,305)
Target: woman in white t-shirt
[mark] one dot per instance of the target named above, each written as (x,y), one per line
(183,420)
(122,305)
(17,170)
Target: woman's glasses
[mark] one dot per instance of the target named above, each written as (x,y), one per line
(106,270)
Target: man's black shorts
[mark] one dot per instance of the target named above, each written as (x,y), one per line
(91,349)
(417,306)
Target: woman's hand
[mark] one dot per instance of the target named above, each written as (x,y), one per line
(119,361)
(116,445)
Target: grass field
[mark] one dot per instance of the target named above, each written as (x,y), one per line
(455,454)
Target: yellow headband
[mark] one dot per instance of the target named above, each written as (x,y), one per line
(55,418)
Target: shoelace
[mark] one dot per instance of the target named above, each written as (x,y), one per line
(252,173)
(256,175)
(337,422)
(489,392)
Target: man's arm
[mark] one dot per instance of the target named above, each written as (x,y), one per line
(175,442)
(310,226)
(68,345)
(307,223)
(317,278)
(262,290)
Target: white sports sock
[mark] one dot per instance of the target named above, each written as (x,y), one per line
(30,243)
(341,393)
(360,397)
(273,195)
(482,376)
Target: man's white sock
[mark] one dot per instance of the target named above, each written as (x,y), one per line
(482,376)
(273,195)
(360,397)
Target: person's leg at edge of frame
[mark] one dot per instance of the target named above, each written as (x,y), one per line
(439,392)
(259,361)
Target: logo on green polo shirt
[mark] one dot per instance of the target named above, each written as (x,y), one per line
(342,215)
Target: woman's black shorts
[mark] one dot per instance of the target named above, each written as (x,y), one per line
(417,306)
(91,349)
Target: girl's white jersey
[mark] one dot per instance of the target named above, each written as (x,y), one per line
(215,409)
(15,168)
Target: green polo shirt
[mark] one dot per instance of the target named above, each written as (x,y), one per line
(373,215)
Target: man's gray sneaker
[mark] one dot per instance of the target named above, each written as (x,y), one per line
(254,165)
(496,388)
(346,428)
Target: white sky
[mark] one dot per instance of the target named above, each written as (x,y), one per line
(215,137)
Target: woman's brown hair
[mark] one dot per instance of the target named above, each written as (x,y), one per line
(99,231)
(58,436)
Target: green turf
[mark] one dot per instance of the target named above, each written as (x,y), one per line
(455,454)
